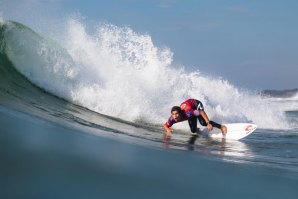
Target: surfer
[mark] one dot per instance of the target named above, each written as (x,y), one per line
(191,110)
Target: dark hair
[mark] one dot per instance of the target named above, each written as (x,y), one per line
(176,108)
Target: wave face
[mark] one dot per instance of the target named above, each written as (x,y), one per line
(118,72)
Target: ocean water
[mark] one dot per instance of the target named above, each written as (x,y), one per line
(81,117)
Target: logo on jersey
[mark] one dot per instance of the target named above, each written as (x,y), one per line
(200,107)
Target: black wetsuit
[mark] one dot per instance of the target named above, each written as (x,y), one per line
(192,121)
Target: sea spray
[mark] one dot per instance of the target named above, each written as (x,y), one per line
(133,79)
(121,73)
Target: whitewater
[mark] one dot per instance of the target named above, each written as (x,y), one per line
(118,72)
(81,115)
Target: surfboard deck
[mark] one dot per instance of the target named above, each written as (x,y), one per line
(235,131)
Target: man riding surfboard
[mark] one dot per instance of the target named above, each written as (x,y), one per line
(191,110)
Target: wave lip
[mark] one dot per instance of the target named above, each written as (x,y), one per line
(41,60)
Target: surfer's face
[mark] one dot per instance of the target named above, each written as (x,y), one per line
(176,116)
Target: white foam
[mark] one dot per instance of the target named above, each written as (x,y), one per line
(121,73)
(133,79)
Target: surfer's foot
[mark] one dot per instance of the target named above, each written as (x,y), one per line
(223,129)
(197,132)
(194,133)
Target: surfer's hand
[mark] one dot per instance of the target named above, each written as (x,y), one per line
(168,133)
(209,127)
(223,129)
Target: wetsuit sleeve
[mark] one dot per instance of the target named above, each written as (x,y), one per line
(170,122)
(200,106)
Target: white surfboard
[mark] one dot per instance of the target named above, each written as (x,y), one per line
(235,131)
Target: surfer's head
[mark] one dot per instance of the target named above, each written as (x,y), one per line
(176,113)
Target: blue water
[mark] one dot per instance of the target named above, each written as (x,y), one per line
(42,159)
(53,147)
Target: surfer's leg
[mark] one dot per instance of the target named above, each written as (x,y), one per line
(203,122)
(223,128)
(214,124)
(193,124)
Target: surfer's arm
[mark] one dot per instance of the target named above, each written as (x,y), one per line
(168,130)
(205,117)
(167,126)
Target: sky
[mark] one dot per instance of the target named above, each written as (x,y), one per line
(252,44)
